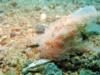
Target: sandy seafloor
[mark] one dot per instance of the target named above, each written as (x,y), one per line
(17,20)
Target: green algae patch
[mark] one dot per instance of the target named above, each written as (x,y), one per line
(52,69)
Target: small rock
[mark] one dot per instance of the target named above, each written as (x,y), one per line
(40,28)
(34,65)
(14,3)
(43,16)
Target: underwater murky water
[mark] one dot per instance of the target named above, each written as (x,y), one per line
(61,30)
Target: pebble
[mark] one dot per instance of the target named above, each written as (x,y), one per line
(40,28)
(43,16)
